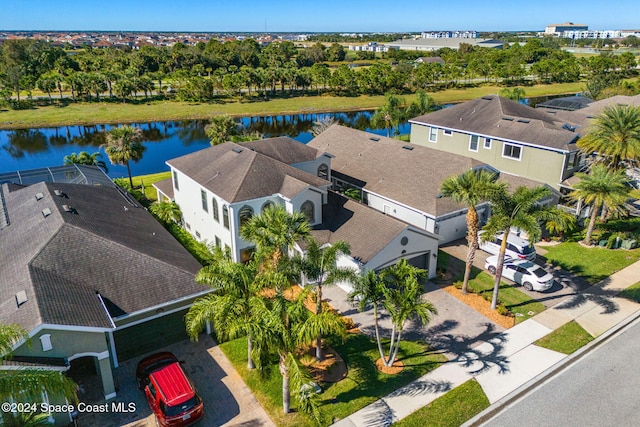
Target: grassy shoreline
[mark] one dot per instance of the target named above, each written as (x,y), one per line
(111,113)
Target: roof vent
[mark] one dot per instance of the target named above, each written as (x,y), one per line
(568,127)
(46,212)
(39,196)
(487,98)
(524,121)
(59,193)
(407,147)
(67,208)
(510,119)
(236,150)
(21,298)
(374,138)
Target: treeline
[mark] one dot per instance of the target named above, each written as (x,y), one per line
(216,70)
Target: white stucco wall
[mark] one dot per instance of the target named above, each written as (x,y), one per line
(418,243)
(403,213)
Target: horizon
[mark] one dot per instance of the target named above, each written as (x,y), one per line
(331,16)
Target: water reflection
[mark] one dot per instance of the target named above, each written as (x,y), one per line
(36,148)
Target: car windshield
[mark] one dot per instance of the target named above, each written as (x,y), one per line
(528,249)
(172,411)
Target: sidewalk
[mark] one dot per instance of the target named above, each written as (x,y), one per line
(510,359)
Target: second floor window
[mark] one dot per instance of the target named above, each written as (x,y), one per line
(512,151)
(323,171)
(433,134)
(214,207)
(245,214)
(203,196)
(225,216)
(308,209)
(175,180)
(473,143)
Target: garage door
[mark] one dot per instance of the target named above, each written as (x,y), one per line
(148,336)
(421,261)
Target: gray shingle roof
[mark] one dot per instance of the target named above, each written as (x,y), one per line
(347,220)
(504,119)
(384,167)
(284,149)
(236,173)
(104,244)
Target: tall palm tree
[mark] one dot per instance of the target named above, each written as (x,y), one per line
(368,291)
(470,188)
(320,269)
(273,231)
(389,114)
(84,158)
(403,301)
(124,145)
(521,209)
(235,308)
(601,188)
(28,384)
(614,136)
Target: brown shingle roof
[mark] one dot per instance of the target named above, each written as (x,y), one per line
(384,167)
(502,118)
(347,220)
(236,173)
(284,149)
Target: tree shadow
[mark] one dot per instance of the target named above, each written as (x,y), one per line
(596,294)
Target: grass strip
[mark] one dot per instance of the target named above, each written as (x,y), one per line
(451,409)
(566,339)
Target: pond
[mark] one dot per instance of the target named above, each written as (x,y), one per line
(36,148)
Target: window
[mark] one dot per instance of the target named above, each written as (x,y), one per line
(246,255)
(473,143)
(308,209)
(245,214)
(187,225)
(267,205)
(512,151)
(447,132)
(203,196)
(214,207)
(198,234)
(323,171)
(218,242)
(487,143)
(175,180)
(225,216)
(45,340)
(433,134)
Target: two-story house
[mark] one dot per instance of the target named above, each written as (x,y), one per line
(509,136)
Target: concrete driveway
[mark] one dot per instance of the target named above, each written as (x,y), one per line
(565,286)
(227,400)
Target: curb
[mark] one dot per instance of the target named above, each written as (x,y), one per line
(543,377)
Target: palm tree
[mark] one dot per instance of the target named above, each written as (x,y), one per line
(124,145)
(220,129)
(320,269)
(388,115)
(601,188)
(614,136)
(403,301)
(28,384)
(470,188)
(84,158)
(235,309)
(273,231)
(368,291)
(167,211)
(521,209)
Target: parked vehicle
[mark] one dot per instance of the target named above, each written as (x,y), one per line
(517,247)
(169,391)
(523,272)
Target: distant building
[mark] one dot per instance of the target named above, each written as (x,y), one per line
(431,44)
(558,29)
(449,34)
(370,47)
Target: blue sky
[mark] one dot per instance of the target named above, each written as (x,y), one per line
(313,16)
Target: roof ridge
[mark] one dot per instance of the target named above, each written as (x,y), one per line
(245,173)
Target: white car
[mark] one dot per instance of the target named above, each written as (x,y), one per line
(517,247)
(531,276)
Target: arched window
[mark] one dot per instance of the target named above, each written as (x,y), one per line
(267,205)
(323,171)
(225,216)
(245,214)
(214,206)
(308,209)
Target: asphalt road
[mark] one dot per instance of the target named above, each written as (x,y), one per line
(601,389)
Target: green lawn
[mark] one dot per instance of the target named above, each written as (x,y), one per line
(515,301)
(450,410)
(566,339)
(631,293)
(112,112)
(363,385)
(594,264)
(147,180)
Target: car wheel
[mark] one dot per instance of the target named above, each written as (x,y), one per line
(527,286)
(492,269)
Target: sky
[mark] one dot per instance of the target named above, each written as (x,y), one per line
(314,16)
